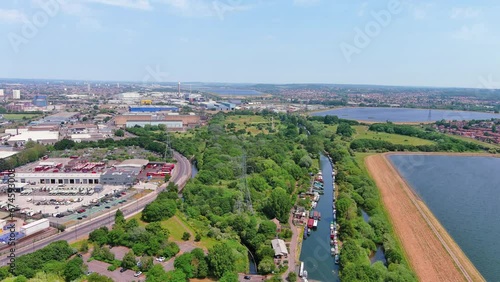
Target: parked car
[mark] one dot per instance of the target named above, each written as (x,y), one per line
(137,274)
(160,259)
(247,277)
(123,270)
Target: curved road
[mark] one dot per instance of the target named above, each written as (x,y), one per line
(180,175)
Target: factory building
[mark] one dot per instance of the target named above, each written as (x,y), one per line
(152,109)
(168,124)
(188,121)
(58,178)
(40,101)
(120,176)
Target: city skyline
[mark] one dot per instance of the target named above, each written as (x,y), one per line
(400,43)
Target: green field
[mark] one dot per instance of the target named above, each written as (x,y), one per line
(362,132)
(251,123)
(474,141)
(19,116)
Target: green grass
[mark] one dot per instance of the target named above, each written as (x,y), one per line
(360,159)
(250,123)
(138,218)
(362,132)
(19,116)
(474,141)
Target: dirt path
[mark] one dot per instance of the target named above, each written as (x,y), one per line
(430,250)
(293,256)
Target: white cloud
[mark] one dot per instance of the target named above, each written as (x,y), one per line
(305,2)
(420,11)
(204,8)
(465,13)
(12,16)
(471,32)
(131,4)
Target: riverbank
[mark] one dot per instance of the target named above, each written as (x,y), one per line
(431,252)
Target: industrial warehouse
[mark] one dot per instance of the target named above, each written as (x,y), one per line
(66,189)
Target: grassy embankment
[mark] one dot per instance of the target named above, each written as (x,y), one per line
(16,117)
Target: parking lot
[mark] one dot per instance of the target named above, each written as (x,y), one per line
(50,203)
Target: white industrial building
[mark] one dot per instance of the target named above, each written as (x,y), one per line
(2,93)
(16,94)
(6,154)
(168,124)
(58,178)
(24,135)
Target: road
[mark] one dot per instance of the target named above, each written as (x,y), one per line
(180,175)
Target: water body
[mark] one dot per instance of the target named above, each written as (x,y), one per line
(194,170)
(404,114)
(379,256)
(464,194)
(315,252)
(366,217)
(236,92)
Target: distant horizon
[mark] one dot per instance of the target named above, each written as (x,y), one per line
(383,43)
(184,83)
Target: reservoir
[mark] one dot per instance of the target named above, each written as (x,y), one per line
(315,251)
(464,195)
(404,114)
(235,92)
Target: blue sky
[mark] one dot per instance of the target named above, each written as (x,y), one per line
(411,42)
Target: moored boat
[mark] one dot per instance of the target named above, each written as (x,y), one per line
(310,223)
(305,232)
(337,259)
(315,224)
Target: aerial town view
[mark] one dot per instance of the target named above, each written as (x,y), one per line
(184,141)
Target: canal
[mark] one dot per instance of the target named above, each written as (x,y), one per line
(315,254)
(194,170)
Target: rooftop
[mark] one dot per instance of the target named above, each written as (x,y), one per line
(35,136)
(4,154)
(132,163)
(279,247)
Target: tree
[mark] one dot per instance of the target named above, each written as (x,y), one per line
(99,236)
(221,260)
(292,277)
(129,260)
(229,277)
(183,262)
(73,269)
(119,218)
(120,133)
(95,277)
(84,247)
(197,238)
(266,265)
(171,250)
(186,236)
(279,204)
(176,276)
(146,263)
(159,210)
(167,177)
(345,129)
(156,274)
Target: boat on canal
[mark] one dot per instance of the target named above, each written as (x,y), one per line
(305,232)
(310,223)
(337,259)
(315,224)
